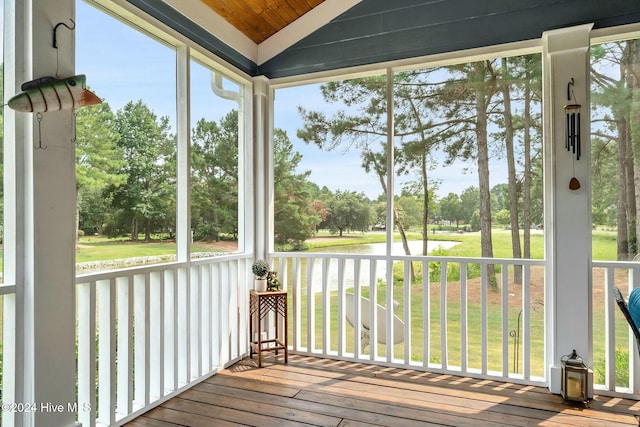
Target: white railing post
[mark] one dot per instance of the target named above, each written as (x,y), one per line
(296,290)
(426,314)
(610,331)
(125,346)
(156,335)
(311,306)
(225,318)
(234,287)
(373,313)
(195,320)
(357,310)
(216,298)
(484,283)
(464,319)
(9,355)
(443,317)
(206,316)
(526,321)
(171,332)
(326,308)
(183,286)
(141,339)
(342,340)
(107,350)
(407,312)
(504,293)
(86,300)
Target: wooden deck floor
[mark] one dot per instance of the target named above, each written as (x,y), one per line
(319,392)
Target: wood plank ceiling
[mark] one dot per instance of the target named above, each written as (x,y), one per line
(260,19)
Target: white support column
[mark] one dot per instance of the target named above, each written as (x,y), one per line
(245,168)
(43,187)
(15,129)
(391,223)
(567,212)
(262,159)
(183,195)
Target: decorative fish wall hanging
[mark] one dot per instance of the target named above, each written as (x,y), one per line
(53,94)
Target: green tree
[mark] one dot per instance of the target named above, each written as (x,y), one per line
(144,200)
(616,119)
(295,215)
(605,181)
(451,208)
(503,217)
(214,178)
(363,123)
(410,211)
(99,164)
(532,200)
(470,97)
(470,204)
(349,211)
(500,197)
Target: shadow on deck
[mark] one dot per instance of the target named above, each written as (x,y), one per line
(321,392)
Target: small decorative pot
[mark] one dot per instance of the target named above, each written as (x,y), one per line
(261,285)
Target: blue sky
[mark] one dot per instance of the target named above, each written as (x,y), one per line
(124,65)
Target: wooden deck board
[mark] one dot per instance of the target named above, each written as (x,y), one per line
(319,392)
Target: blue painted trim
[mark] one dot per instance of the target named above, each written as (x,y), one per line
(375,31)
(170,17)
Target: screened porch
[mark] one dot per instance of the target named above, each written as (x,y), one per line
(118,345)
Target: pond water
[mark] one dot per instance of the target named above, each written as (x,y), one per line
(415,247)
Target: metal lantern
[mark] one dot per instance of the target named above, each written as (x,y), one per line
(575,378)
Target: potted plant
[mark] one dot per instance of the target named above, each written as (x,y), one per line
(260,268)
(273,284)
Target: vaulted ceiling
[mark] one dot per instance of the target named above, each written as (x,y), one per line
(281,38)
(260,19)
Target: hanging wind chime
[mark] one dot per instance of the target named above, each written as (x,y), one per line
(53,93)
(572,131)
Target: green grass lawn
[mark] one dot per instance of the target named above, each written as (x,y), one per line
(96,248)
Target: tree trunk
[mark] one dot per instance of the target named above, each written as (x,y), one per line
(623,247)
(425,206)
(425,179)
(633,134)
(526,187)
(147,231)
(396,219)
(134,229)
(511,169)
(482,95)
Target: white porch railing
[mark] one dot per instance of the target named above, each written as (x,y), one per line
(145,334)
(9,354)
(615,354)
(461,322)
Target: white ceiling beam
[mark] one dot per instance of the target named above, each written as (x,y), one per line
(302,27)
(215,24)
